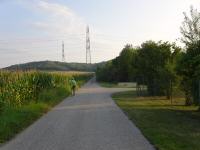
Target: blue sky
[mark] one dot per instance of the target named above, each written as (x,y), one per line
(34,30)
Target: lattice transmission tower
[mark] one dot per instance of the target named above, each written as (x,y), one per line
(88,52)
(63,51)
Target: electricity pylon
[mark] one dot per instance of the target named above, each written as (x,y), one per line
(88,52)
(63,51)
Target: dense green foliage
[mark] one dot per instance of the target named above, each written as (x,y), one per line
(189,70)
(161,66)
(25,96)
(54,66)
(152,64)
(166,126)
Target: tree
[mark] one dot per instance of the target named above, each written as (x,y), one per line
(107,73)
(190,28)
(125,62)
(190,63)
(152,66)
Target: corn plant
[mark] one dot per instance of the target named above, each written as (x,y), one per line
(20,88)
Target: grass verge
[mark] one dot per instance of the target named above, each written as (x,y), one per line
(166,126)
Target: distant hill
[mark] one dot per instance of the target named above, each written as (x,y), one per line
(54,66)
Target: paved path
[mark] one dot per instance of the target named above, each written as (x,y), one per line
(88,121)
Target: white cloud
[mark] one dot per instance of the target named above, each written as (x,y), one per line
(59,19)
(55,8)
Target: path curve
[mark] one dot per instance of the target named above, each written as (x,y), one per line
(88,121)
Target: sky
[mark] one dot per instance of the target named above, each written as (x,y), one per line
(33,30)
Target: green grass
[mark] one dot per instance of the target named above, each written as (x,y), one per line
(168,127)
(13,120)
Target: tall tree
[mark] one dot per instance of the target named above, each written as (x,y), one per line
(125,59)
(190,28)
(151,64)
(190,63)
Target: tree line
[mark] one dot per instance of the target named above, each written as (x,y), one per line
(162,66)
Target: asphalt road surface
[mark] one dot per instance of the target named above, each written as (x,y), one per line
(88,121)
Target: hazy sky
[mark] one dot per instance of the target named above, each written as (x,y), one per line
(33,30)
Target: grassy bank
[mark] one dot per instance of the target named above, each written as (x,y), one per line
(168,127)
(14,116)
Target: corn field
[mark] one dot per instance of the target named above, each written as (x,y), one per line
(19,88)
